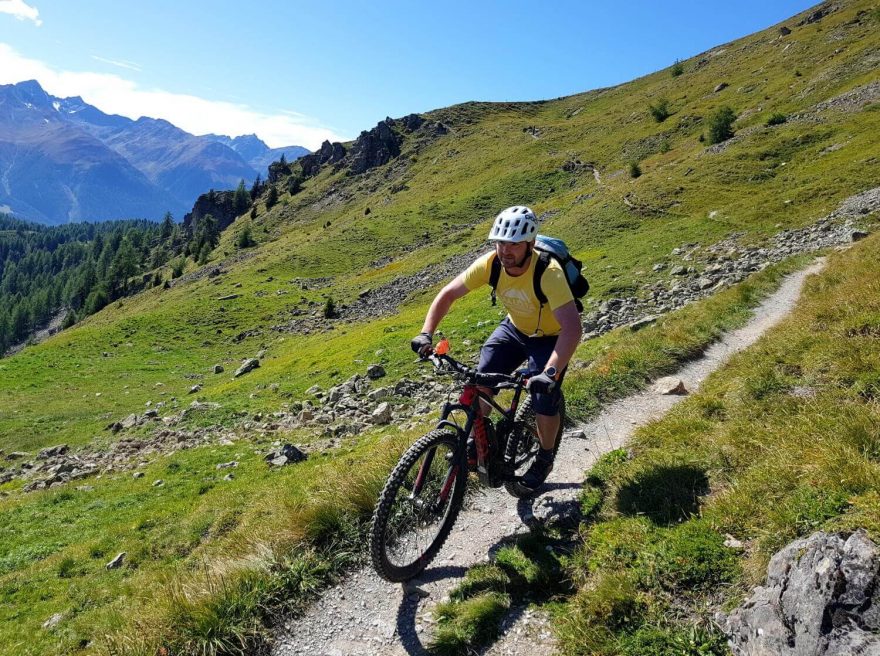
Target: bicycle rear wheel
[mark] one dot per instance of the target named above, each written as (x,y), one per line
(418,506)
(523,444)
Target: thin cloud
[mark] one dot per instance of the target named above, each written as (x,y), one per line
(118,62)
(21,10)
(117,95)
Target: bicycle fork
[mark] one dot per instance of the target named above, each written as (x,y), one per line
(422,476)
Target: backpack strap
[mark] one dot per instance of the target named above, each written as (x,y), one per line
(494,275)
(541,265)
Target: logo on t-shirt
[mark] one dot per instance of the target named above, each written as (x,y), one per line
(518,301)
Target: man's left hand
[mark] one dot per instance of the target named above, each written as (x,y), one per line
(541,384)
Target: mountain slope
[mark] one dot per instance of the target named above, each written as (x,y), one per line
(381,234)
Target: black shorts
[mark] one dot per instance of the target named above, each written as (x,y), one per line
(507,348)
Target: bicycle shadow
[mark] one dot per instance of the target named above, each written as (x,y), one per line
(407,612)
(542,510)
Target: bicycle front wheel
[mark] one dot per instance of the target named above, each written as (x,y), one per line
(418,506)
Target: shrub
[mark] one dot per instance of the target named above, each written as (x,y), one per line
(634,170)
(660,111)
(245,239)
(677,68)
(776,119)
(721,125)
(177,266)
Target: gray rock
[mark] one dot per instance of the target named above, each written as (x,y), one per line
(375,371)
(379,394)
(116,563)
(286,455)
(670,385)
(382,414)
(643,322)
(53,621)
(195,389)
(218,369)
(678,270)
(52,452)
(130,421)
(858,235)
(248,365)
(821,598)
(721,86)
(158,483)
(227,465)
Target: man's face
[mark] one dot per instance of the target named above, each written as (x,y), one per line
(511,255)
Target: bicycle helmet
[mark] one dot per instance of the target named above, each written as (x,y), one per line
(515,224)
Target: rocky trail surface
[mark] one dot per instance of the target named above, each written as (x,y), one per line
(365,615)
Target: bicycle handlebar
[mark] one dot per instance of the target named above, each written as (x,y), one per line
(496,381)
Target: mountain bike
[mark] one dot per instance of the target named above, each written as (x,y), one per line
(425,491)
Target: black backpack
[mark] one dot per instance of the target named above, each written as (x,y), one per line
(546,248)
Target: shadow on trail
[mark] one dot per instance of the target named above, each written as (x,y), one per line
(409,606)
(548,508)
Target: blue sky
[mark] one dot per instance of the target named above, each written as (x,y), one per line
(299,72)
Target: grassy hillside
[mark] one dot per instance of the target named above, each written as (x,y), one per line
(568,158)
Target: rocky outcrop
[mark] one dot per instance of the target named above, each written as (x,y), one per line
(375,147)
(328,153)
(821,598)
(372,148)
(219,204)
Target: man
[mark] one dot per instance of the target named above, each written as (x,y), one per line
(544,334)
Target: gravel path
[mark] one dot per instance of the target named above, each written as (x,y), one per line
(366,616)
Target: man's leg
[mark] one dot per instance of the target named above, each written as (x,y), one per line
(547,417)
(548,428)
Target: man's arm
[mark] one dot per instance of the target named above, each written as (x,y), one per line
(569,320)
(442,302)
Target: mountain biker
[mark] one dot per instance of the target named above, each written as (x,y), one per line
(546,337)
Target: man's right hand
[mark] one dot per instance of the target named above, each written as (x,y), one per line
(421,344)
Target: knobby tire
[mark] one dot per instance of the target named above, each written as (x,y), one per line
(407,531)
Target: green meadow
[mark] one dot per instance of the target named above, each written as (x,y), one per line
(211,562)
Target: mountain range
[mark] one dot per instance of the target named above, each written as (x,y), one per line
(62,159)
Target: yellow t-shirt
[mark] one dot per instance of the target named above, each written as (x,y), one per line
(517,293)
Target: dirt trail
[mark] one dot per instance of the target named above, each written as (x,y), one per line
(366,616)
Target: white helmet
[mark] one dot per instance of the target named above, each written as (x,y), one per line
(514,224)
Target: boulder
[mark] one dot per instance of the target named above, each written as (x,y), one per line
(821,598)
(218,369)
(382,414)
(286,455)
(116,563)
(375,371)
(52,451)
(248,365)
